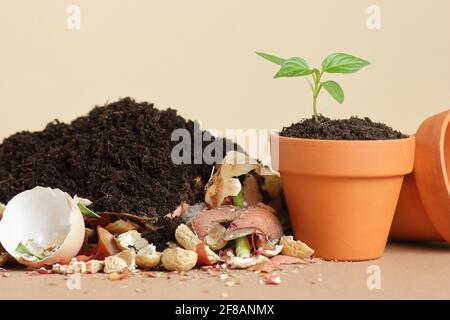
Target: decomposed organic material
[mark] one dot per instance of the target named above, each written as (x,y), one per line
(118,156)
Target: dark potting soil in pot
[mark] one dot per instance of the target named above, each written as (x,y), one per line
(347,129)
(118,156)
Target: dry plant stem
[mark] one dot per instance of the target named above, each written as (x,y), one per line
(130,216)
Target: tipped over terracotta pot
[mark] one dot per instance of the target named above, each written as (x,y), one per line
(423,211)
(342,195)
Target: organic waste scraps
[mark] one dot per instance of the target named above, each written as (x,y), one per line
(227,237)
(32,250)
(249,247)
(233,230)
(242,181)
(118,156)
(237,238)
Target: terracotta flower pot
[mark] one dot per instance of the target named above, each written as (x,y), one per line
(423,211)
(342,195)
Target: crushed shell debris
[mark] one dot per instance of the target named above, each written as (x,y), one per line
(210,240)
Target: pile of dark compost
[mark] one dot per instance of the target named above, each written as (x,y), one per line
(118,156)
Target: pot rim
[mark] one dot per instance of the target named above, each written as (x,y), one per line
(434,164)
(341,158)
(341,142)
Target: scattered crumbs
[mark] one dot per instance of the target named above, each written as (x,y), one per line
(230,283)
(223,276)
(317,279)
(139,290)
(154,274)
(5,274)
(224,295)
(273,279)
(206,268)
(237,280)
(316,260)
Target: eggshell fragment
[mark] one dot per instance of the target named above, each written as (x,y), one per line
(40,214)
(129,256)
(114,264)
(131,239)
(224,182)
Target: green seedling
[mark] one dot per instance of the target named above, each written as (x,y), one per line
(242,247)
(334,63)
(238,200)
(85,211)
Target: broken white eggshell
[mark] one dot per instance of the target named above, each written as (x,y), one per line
(43,215)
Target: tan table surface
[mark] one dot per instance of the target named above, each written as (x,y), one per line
(408,271)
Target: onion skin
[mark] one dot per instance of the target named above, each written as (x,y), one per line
(202,256)
(261,219)
(106,244)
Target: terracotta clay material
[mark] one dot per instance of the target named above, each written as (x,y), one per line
(342,195)
(423,212)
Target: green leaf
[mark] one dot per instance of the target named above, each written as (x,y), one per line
(335,90)
(294,67)
(238,200)
(21,248)
(343,63)
(277,60)
(85,211)
(242,247)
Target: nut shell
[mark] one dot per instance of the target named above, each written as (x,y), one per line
(177,259)
(295,248)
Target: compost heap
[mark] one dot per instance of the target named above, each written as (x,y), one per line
(118,156)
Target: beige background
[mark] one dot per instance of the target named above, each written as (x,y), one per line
(197,56)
